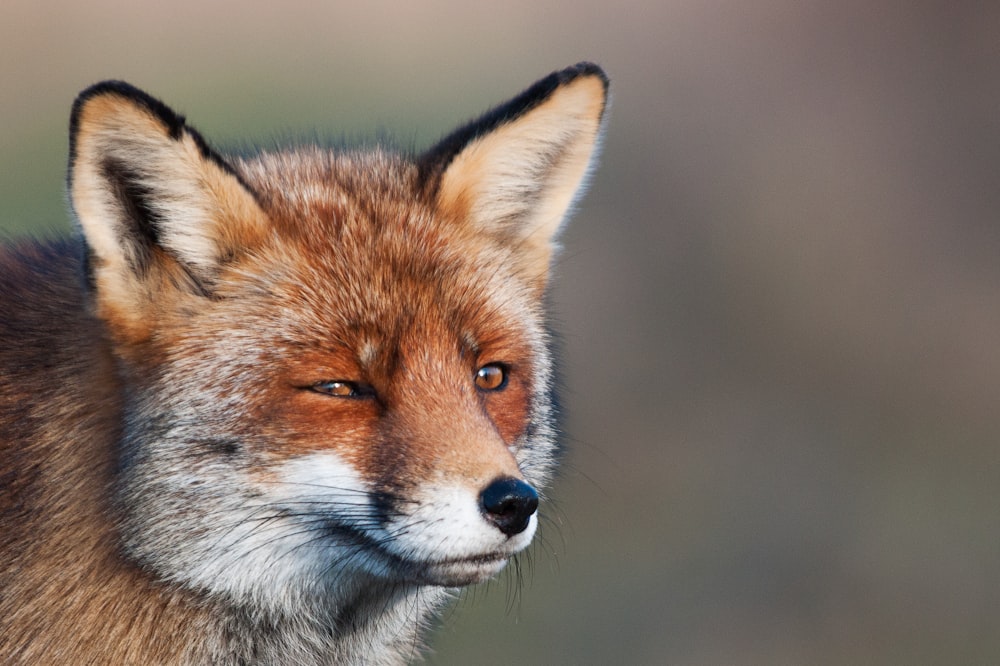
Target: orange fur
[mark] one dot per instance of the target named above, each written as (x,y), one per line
(177,484)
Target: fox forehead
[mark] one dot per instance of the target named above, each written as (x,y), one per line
(359,256)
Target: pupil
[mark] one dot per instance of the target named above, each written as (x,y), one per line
(490,377)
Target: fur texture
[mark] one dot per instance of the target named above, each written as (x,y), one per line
(271,409)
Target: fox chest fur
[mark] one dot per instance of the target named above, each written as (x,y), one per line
(271,409)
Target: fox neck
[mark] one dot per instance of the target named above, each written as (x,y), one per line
(379,625)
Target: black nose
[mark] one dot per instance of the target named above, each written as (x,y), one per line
(508,503)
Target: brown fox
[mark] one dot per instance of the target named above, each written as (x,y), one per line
(273,409)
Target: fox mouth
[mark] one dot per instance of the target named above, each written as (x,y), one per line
(458,572)
(450,572)
(446,572)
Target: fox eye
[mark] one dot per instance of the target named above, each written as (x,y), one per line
(491,377)
(340,389)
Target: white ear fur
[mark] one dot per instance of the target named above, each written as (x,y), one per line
(518,180)
(153,201)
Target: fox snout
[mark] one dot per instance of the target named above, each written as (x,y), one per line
(509,503)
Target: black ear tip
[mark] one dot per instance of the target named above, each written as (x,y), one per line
(174,124)
(581,69)
(110,86)
(172,120)
(433,162)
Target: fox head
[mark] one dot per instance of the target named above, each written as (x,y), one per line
(334,364)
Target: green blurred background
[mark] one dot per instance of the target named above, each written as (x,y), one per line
(780,300)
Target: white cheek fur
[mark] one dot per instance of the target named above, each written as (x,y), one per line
(270,547)
(279,546)
(326,479)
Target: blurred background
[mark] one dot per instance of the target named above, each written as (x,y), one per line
(780,301)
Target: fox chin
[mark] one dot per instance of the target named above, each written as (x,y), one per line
(271,408)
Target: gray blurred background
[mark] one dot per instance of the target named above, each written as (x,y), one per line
(780,300)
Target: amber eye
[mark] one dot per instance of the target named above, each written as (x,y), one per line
(491,377)
(339,389)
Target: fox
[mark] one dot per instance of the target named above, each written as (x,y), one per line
(277,407)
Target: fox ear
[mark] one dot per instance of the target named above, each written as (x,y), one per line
(160,211)
(515,172)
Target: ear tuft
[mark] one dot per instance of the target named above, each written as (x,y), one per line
(515,172)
